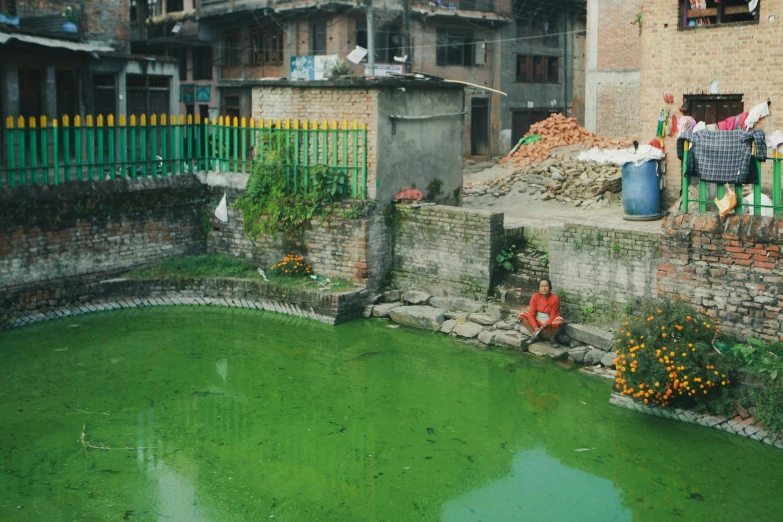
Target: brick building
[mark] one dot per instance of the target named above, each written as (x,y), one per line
(721,59)
(478,41)
(71,58)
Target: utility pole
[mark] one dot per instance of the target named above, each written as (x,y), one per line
(406,35)
(370,37)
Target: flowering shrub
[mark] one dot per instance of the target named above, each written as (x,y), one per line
(291,266)
(666,353)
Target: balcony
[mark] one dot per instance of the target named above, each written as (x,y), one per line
(482,9)
(62,21)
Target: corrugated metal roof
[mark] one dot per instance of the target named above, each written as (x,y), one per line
(53,42)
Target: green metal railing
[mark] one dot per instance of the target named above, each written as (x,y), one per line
(38,152)
(756,207)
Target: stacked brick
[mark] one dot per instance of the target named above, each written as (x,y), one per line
(731,268)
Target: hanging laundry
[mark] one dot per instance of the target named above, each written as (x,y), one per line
(729,124)
(722,157)
(741,121)
(686,123)
(700,127)
(755,114)
(775,140)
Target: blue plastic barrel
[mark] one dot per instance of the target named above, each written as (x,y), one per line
(641,192)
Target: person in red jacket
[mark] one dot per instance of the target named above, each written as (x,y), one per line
(542,317)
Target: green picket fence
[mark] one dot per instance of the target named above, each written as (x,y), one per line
(755,208)
(38,152)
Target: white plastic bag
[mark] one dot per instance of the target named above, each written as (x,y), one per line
(221,212)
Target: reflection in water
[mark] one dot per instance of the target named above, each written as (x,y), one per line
(221,367)
(540,488)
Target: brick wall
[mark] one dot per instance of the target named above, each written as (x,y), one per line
(618,114)
(732,268)
(601,270)
(108,22)
(72,230)
(619,45)
(315,104)
(334,248)
(687,62)
(447,251)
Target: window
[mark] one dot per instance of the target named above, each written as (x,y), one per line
(181,54)
(712,109)
(538,69)
(318,38)
(104,94)
(231,50)
(455,47)
(540,29)
(8,7)
(699,13)
(172,6)
(267,46)
(388,41)
(202,63)
(147,94)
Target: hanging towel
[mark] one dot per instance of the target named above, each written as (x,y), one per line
(221,212)
(755,114)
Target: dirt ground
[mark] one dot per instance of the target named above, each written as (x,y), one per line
(522,209)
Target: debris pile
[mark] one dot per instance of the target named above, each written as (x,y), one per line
(541,171)
(559,131)
(569,181)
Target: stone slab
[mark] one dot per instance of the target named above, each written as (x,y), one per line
(608,359)
(416,298)
(456,304)
(382,310)
(468,330)
(426,317)
(448,326)
(547,350)
(487,336)
(512,339)
(578,354)
(589,335)
(594,356)
(482,319)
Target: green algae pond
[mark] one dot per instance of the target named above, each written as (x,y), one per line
(207,414)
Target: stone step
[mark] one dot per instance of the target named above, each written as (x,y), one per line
(589,335)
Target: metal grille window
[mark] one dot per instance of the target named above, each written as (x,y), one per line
(267,46)
(147,94)
(701,13)
(388,41)
(105,94)
(202,63)
(231,51)
(318,38)
(455,47)
(538,69)
(540,29)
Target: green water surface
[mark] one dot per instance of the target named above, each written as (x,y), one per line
(234,415)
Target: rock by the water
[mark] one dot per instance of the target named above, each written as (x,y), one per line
(487,336)
(608,359)
(456,304)
(508,338)
(594,356)
(426,317)
(382,310)
(506,325)
(495,311)
(455,315)
(414,297)
(392,295)
(367,311)
(448,326)
(589,335)
(544,349)
(468,330)
(482,319)
(578,354)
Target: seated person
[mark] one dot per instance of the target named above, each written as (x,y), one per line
(542,317)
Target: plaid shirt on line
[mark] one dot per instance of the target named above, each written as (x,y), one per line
(722,156)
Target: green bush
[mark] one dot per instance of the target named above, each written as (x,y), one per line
(666,353)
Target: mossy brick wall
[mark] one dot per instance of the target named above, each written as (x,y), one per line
(601,270)
(336,247)
(732,268)
(52,233)
(447,251)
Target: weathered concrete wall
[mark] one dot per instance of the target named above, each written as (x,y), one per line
(399,156)
(425,153)
(731,268)
(601,270)
(447,251)
(334,248)
(76,229)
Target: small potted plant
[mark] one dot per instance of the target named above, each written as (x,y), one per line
(70,26)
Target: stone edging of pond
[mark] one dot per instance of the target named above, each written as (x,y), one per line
(330,308)
(743,428)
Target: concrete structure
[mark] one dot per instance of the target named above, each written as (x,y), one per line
(414,127)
